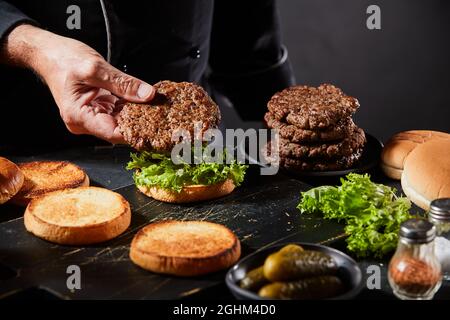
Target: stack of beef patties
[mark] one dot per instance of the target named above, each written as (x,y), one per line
(316,129)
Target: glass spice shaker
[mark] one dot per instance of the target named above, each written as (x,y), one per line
(414,271)
(439,215)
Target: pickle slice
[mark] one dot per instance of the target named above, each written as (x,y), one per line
(320,287)
(298,265)
(291,248)
(254,280)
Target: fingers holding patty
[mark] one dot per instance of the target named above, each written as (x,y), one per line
(103,75)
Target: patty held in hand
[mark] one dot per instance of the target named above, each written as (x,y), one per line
(312,108)
(175,106)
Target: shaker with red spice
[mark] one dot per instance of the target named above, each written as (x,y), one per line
(414,271)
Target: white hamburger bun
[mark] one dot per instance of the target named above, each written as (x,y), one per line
(400,145)
(426,175)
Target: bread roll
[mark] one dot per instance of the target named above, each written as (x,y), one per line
(400,145)
(426,175)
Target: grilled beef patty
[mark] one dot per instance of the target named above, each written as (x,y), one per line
(336,149)
(312,108)
(314,164)
(175,106)
(291,132)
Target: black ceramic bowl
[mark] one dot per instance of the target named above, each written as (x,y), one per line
(349,271)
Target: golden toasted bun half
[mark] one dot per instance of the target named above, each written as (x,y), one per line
(185,248)
(11,180)
(400,145)
(42,177)
(80,216)
(192,193)
(426,175)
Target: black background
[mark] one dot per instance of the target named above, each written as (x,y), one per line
(398,73)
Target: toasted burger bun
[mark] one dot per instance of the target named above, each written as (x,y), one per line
(185,248)
(11,180)
(426,175)
(42,177)
(192,193)
(78,216)
(400,145)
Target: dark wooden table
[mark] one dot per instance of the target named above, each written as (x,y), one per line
(261,212)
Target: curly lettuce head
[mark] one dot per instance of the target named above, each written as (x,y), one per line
(372,212)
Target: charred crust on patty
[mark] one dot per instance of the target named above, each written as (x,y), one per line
(176,106)
(336,149)
(313,164)
(312,108)
(340,130)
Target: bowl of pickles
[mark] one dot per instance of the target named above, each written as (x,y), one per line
(295,271)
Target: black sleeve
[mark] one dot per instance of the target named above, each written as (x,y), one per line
(10,17)
(247,59)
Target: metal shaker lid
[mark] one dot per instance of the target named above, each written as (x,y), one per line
(440,209)
(417,231)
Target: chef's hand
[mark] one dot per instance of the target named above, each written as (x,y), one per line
(85,87)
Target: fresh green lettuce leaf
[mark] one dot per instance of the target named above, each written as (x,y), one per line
(372,212)
(155,169)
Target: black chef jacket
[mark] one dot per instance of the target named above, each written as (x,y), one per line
(232,46)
